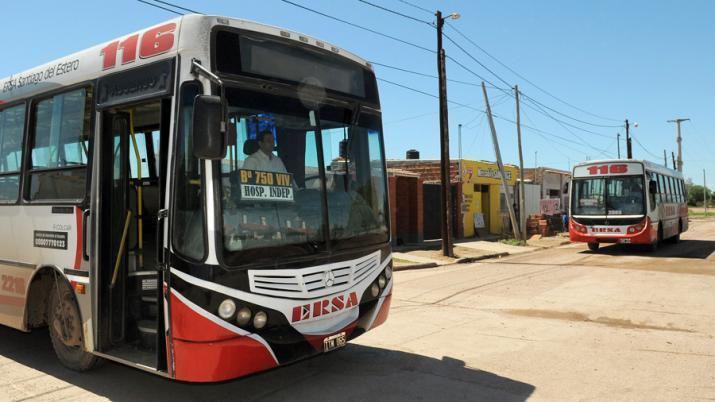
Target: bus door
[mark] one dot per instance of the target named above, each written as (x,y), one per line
(132,188)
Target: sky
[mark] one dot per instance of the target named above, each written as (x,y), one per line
(648,61)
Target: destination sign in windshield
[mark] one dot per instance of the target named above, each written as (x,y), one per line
(256,185)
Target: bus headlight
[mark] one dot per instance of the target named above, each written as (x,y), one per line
(260,320)
(244,316)
(226,309)
(381,281)
(374,290)
(388,272)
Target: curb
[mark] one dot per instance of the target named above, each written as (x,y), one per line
(414,266)
(466,260)
(463,260)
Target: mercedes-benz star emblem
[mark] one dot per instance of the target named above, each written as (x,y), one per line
(328,278)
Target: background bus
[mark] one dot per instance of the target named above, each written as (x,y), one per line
(627,202)
(133,229)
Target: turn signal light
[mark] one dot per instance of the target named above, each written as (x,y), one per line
(636,228)
(79,288)
(578,227)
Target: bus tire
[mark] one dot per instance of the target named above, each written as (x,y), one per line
(593,246)
(654,246)
(65,327)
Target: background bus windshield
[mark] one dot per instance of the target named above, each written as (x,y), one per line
(274,201)
(621,195)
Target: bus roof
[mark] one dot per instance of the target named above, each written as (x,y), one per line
(649,166)
(190,33)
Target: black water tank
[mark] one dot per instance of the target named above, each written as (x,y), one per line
(412,154)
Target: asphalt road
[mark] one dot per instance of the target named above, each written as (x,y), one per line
(559,324)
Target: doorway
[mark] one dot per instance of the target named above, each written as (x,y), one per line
(131,187)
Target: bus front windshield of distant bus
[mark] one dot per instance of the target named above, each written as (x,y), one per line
(297,181)
(617,195)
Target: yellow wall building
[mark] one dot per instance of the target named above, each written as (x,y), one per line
(482,200)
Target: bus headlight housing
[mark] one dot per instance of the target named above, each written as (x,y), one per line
(226,309)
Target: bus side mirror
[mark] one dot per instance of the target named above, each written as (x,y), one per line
(653,187)
(566,188)
(206,130)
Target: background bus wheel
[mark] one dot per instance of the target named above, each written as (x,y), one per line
(65,328)
(593,246)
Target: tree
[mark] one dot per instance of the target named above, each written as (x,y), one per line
(695,195)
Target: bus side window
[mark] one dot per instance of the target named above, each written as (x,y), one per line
(661,188)
(12,124)
(652,196)
(60,146)
(671,187)
(676,183)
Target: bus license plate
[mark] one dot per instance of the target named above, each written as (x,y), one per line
(624,241)
(334,342)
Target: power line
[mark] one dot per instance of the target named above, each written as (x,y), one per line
(477,61)
(179,7)
(526,79)
(404,70)
(570,117)
(359,26)
(646,149)
(158,6)
(409,17)
(416,6)
(563,123)
(534,129)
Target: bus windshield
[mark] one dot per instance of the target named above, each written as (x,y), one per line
(617,195)
(297,181)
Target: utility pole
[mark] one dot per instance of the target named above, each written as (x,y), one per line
(665,159)
(446,196)
(505,188)
(705,194)
(629,146)
(618,144)
(522,206)
(536,159)
(679,139)
(673,155)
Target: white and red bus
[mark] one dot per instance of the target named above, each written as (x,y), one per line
(136,227)
(626,202)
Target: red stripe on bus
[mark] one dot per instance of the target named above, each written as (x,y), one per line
(12,300)
(78,252)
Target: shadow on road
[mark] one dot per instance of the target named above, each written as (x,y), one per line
(700,249)
(356,373)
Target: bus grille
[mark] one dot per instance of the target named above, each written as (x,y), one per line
(308,283)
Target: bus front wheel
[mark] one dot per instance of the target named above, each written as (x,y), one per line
(593,246)
(65,327)
(654,246)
